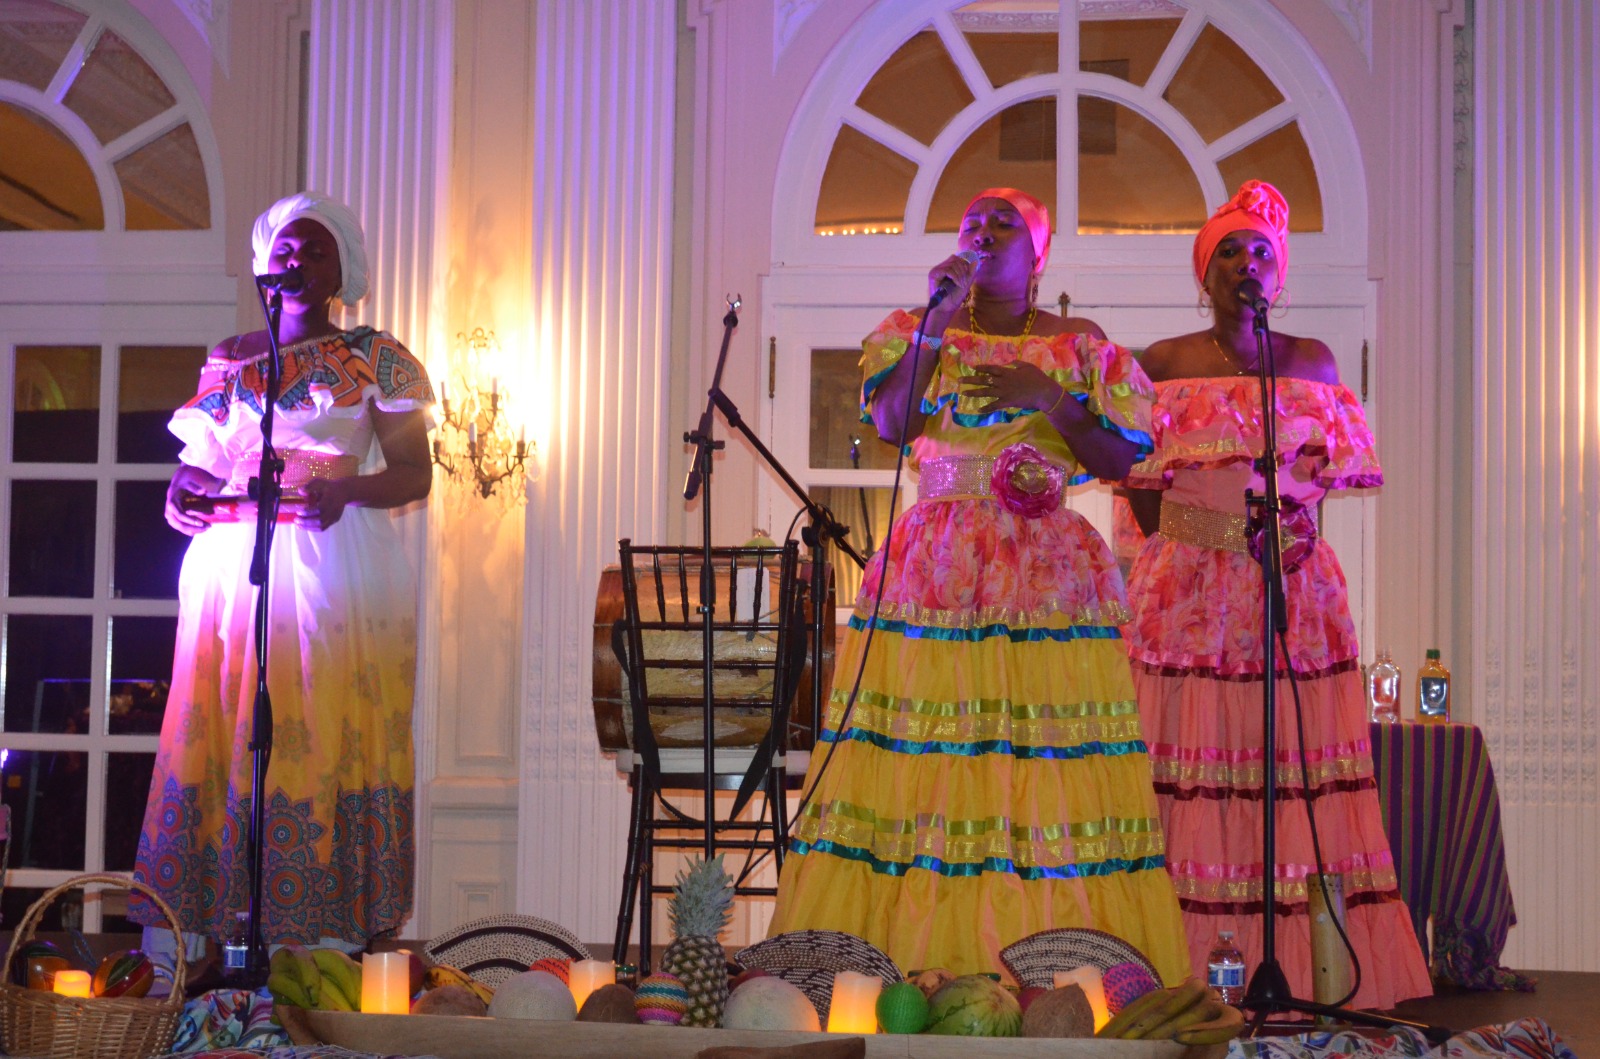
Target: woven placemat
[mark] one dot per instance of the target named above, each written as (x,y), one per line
(808,959)
(494,948)
(1034,960)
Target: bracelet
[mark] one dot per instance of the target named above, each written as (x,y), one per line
(1062,396)
(929,343)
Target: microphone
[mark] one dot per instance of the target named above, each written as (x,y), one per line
(1251,294)
(290,279)
(947,285)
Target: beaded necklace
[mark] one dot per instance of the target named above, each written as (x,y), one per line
(977,328)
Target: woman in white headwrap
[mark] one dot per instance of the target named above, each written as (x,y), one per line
(338,861)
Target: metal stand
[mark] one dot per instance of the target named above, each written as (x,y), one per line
(1268,993)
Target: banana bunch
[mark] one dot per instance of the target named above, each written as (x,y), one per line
(324,979)
(341,980)
(441,974)
(293,977)
(1189,1014)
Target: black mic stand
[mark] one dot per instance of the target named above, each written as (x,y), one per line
(1268,992)
(266,489)
(822,530)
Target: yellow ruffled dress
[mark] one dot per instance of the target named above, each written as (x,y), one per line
(990,780)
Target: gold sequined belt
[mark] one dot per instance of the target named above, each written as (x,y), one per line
(299,467)
(953,477)
(1205,528)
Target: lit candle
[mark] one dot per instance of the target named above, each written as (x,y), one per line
(72,983)
(1087,978)
(472,438)
(585,976)
(386,983)
(444,397)
(854,1007)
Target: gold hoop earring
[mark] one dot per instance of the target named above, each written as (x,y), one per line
(1202,304)
(1280,304)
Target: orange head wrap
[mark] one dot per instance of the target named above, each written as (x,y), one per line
(1258,207)
(1034,215)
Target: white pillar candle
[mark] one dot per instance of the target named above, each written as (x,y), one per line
(854,1007)
(72,983)
(1087,978)
(585,976)
(386,983)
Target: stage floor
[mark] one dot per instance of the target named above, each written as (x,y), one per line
(1568,1000)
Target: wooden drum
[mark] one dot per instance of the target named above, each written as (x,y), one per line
(682,725)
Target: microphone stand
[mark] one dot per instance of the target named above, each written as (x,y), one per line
(822,530)
(1268,991)
(266,488)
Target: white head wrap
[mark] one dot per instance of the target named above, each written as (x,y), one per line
(333,215)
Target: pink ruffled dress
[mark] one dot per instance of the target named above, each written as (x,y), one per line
(1195,642)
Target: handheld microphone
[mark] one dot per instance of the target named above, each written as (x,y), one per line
(947,285)
(1251,294)
(290,279)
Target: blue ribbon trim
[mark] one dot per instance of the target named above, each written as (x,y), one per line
(1030,635)
(983,747)
(1004,865)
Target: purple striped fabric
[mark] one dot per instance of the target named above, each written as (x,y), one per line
(1442,813)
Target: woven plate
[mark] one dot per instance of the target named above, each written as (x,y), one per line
(494,948)
(1036,958)
(809,959)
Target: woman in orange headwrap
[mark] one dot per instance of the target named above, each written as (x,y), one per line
(1195,638)
(989,780)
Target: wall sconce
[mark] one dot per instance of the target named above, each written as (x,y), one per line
(473,443)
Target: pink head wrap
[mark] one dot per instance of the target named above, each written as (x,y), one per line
(1258,207)
(1034,215)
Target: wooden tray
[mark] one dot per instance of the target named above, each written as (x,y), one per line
(461,1037)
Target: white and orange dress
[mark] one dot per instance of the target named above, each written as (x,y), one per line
(1195,644)
(990,780)
(339,858)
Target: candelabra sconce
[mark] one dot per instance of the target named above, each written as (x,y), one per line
(473,443)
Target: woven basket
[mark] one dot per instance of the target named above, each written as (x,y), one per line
(808,959)
(45,1025)
(1034,960)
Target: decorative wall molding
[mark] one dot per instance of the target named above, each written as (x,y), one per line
(1535,459)
(210,18)
(787,18)
(602,193)
(1356,17)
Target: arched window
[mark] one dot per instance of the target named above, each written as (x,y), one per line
(1132,119)
(111,283)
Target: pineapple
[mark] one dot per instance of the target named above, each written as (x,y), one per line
(701,906)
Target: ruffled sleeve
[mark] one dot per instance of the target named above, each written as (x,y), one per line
(1201,423)
(196,421)
(1115,388)
(395,380)
(881,351)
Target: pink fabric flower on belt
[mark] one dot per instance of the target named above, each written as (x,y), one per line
(1026,482)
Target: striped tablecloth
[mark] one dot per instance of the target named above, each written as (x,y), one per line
(1442,813)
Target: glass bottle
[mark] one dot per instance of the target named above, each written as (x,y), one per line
(1433,690)
(1383,689)
(1225,969)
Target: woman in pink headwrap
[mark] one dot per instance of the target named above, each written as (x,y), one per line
(342,650)
(990,780)
(1195,637)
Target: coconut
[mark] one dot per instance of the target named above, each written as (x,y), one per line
(610,1003)
(1063,1012)
(534,995)
(770,1003)
(448,1000)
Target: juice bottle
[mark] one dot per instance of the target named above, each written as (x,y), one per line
(1433,690)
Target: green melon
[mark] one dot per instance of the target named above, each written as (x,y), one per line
(974,1006)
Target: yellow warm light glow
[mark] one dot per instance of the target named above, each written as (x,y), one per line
(854,1006)
(72,983)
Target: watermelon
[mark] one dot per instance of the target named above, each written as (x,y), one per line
(974,1005)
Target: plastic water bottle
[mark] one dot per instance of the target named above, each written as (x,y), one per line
(1225,971)
(1433,690)
(236,947)
(1383,689)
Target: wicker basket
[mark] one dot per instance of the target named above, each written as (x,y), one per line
(44,1025)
